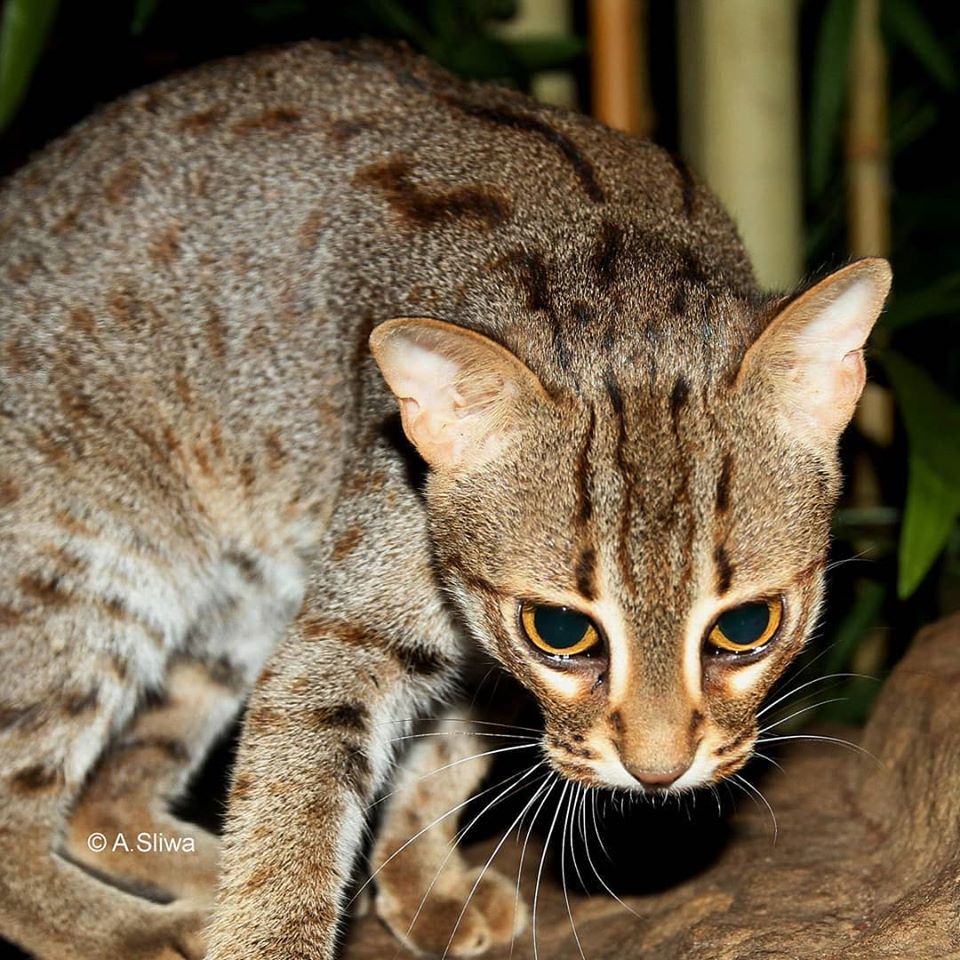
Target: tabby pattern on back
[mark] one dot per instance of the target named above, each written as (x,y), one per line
(216,295)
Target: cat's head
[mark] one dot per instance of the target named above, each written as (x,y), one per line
(644,552)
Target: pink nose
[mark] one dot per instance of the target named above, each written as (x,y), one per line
(659,778)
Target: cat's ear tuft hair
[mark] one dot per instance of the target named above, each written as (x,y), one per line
(459,392)
(811,354)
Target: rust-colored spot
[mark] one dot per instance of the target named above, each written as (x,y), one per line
(36,779)
(67,222)
(9,491)
(274,120)
(346,543)
(242,786)
(216,440)
(170,439)
(164,248)
(216,330)
(201,121)
(9,617)
(259,877)
(479,207)
(248,475)
(203,461)
(182,386)
(120,306)
(262,718)
(121,185)
(71,524)
(83,321)
(17,357)
(48,590)
(307,234)
(345,129)
(276,453)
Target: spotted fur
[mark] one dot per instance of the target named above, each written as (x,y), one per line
(206,495)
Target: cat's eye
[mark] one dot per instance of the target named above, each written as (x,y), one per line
(747,627)
(559,631)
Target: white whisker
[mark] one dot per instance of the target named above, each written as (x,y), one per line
(748,785)
(454,763)
(433,823)
(543,857)
(815,737)
(800,712)
(810,683)
(563,866)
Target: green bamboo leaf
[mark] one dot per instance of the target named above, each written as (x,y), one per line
(904,23)
(930,414)
(933,506)
(932,420)
(829,88)
(24,27)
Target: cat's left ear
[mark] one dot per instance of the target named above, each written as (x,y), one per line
(810,357)
(461,395)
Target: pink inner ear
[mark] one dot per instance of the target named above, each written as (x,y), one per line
(811,355)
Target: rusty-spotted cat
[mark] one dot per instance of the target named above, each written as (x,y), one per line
(216,294)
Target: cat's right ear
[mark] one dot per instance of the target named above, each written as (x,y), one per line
(809,359)
(461,394)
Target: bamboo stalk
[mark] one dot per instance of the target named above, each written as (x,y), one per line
(868,174)
(619,65)
(868,212)
(739,90)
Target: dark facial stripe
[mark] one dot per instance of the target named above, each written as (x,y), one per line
(678,399)
(584,499)
(723,483)
(725,569)
(527,124)
(586,571)
(623,543)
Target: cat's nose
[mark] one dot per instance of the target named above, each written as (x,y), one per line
(652,779)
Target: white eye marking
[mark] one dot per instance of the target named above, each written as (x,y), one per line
(699,620)
(739,681)
(562,684)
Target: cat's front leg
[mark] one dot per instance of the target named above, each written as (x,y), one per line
(317,742)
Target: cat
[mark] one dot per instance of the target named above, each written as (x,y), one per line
(613,470)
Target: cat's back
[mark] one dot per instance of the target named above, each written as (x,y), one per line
(250,163)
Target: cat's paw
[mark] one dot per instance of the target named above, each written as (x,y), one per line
(175,932)
(493,916)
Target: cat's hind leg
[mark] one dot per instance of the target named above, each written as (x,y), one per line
(430,897)
(121,827)
(59,714)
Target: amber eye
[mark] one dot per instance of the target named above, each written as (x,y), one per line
(747,627)
(558,630)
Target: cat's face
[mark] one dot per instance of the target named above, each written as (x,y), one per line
(663,581)
(645,555)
